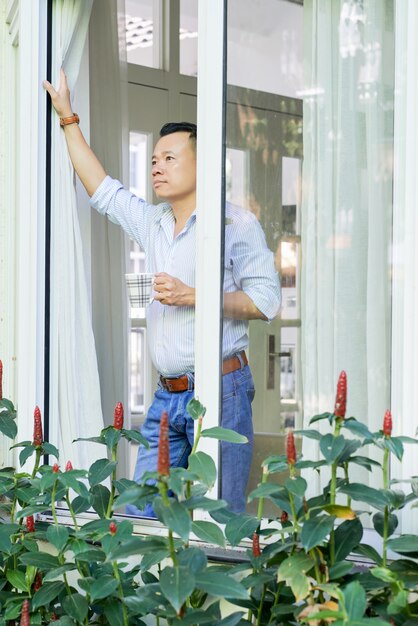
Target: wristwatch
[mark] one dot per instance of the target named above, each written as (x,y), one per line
(73,119)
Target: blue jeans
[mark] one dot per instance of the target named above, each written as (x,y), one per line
(237,396)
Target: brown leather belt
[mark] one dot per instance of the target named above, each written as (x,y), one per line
(176,385)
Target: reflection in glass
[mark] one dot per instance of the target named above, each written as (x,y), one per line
(188,37)
(137,370)
(142,46)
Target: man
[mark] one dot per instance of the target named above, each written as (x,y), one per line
(166,232)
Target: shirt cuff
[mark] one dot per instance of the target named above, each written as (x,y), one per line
(104,193)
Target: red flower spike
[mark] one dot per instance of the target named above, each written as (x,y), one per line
(37,428)
(30,524)
(69,466)
(25,619)
(113,528)
(290,448)
(387,424)
(341,397)
(55,468)
(256,545)
(1,380)
(118,416)
(37,583)
(163,466)
(284,517)
(53,617)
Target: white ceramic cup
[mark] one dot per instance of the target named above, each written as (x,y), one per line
(140,289)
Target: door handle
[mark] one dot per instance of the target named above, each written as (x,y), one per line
(280,354)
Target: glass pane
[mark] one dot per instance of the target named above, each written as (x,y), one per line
(142,45)
(327,224)
(265,46)
(188,37)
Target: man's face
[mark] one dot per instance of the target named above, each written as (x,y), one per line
(174,168)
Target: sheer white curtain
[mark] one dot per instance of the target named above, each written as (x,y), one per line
(405,228)
(347,206)
(75,407)
(109,140)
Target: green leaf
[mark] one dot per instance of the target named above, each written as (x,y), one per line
(297,486)
(293,571)
(322,416)
(8,405)
(332,447)
(48,448)
(405,544)
(100,496)
(195,409)
(355,600)
(112,437)
(76,606)
(395,445)
(47,593)
(339,570)
(239,527)
(80,504)
(224,434)
(58,536)
(379,523)
(363,493)
(315,530)
(103,587)
(399,603)
(59,571)
(369,552)
(194,559)
(134,435)
(221,585)
(346,537)
(204,504)
(42,560)
(8,425)
(204,467)
(17,579)
(364,461)
(176,583)
(264,490)
(357,428)
(208,531)
(383,573)
(100,470)
(175,516)
(230,620)
(25,454)
(310,433)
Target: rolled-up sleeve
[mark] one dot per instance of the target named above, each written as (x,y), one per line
(253,268)
(124,208)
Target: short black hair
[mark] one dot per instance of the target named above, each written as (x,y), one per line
(180,127)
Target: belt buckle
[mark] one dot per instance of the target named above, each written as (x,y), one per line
(169,385)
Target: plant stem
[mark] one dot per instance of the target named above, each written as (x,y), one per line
(164,496)
(260,606)
(67,499)
(198,433)
(54,513)
(112,488)
(386,511)
(347,480)
(333,491)
(117,576)
(261,499)
(37,461)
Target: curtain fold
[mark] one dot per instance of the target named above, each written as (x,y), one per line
(347,207)
(109,140)
(75,406)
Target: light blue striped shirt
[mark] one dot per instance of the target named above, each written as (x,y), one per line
(249,266)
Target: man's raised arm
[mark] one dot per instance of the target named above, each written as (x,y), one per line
(88,167)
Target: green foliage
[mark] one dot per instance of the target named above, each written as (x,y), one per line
(305,572)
